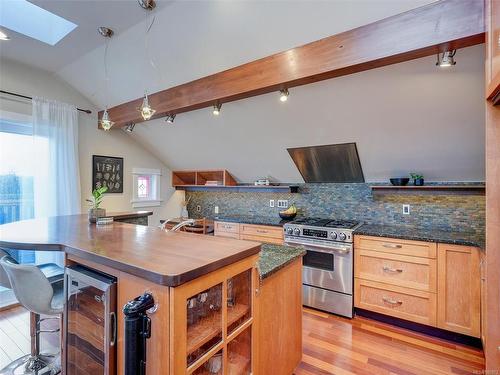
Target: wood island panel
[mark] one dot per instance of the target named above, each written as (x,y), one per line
(165,258)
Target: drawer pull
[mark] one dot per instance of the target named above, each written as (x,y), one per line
(392,246)
(392,301)
(261,231)
(393,270)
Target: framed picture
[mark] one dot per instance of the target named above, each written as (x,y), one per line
(107,171)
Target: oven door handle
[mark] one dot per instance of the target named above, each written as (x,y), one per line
(328,250)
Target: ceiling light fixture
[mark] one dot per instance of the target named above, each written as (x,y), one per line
(105,122)
(216,110)
(447,59)
(3,36)
(170,118)
(146,111)
(129,128)
(284,95)
(147,4)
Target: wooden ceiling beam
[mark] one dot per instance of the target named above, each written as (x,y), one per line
(428,30)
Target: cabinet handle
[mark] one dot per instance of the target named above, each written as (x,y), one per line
(392,301)
(261,231)
(392,246)
(394,270)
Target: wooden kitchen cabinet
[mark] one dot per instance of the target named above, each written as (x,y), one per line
(250,232)
(493,50)
(423,282)
(459,289)
(212,320)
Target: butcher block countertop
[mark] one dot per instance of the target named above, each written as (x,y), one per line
(161,257)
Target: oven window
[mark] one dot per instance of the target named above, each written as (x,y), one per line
(317,259)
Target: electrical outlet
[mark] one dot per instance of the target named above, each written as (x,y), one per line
(216,209)
(198,208)
(282,203)
(406,209)
(271,202)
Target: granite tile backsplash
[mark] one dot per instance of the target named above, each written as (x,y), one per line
(352,201)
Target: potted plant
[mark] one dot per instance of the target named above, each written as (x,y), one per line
(95,211)
(418,179)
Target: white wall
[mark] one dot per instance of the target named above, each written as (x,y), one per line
(33,82)
(406,117)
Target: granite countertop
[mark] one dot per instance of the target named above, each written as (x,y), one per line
(257,220)
(420,234)
(275,257)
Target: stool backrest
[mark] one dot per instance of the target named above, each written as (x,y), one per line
(31,288)
(4,279)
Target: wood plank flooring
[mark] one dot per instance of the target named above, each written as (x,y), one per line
(332,345)
(335,345)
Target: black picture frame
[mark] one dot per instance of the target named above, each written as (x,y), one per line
(107,170)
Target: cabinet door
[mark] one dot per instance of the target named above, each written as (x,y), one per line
(492,48)
(459,285)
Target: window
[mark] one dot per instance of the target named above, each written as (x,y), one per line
(146,187)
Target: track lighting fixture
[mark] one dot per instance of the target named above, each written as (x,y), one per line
(129,128)
(146,111)
(284,95)
(217,107)
(447,59)
(105,122)
(170,118)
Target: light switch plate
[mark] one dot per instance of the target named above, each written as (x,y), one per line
(406,209)
(282,203)
(216,209)
(271,202)
(198,208)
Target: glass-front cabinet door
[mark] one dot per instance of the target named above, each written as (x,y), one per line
(211,319)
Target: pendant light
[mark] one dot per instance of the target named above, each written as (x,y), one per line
(105,121)
(146,111)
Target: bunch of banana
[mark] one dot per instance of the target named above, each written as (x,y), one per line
(292,210)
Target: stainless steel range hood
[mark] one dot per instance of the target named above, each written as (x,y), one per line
(329,163)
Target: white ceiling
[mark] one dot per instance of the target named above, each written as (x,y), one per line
(88,15)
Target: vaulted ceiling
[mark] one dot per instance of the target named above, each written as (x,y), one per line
(406,117)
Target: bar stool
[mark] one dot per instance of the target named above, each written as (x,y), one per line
(40,289)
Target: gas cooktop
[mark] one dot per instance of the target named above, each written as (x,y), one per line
(325,223)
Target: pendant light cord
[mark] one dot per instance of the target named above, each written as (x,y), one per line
(106,72)
(147,52)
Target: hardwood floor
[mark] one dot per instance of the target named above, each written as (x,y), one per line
(335,345)
(15,335)
(332,345)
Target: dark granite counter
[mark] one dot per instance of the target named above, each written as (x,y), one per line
(257,220)
(419,234)
(275,257)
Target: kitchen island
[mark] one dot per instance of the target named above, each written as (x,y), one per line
(189,276)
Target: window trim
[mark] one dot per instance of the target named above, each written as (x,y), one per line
(155,177)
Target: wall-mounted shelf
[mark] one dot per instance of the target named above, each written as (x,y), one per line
(200,178)
(430,189)
(242,188)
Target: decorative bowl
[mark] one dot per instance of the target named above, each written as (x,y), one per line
(400,181)
(285,216)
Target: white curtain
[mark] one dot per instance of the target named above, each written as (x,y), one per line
(57,180)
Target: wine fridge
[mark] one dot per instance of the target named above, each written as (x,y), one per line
(90,321)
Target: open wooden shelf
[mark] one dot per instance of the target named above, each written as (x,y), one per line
(430,189)
(208,328)
(200,178)
(242,188)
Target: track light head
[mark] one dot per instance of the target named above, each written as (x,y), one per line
(284,95)
(216,110)
(129,128)
(170,118)
(447,59)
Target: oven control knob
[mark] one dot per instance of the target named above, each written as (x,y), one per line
(342,236)
(333,235)
(289,230)
(296,231)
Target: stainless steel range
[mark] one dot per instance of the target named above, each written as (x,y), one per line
(328,264)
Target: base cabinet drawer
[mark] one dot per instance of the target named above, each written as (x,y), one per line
(394,269)
(396,246)
(413,305)
(220,226)
(261,231)
(227,235)
(273,240)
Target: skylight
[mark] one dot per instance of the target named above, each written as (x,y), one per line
(31,20)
